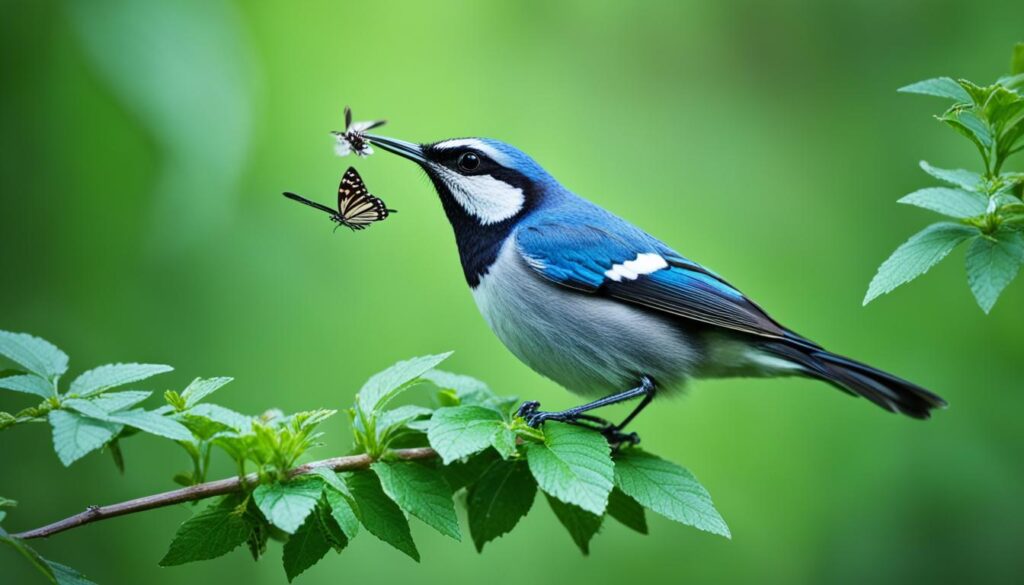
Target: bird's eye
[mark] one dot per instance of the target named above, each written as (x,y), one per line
(469,161)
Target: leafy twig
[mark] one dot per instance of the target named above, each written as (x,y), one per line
(208,490)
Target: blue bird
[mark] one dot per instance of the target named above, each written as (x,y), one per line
(607,311)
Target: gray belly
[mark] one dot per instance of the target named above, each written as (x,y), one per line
(589,344)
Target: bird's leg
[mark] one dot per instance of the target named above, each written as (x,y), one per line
(535,418)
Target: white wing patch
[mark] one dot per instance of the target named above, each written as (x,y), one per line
(634,269)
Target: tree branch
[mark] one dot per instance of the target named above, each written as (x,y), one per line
(207,490)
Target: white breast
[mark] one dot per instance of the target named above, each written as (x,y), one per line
(587,343)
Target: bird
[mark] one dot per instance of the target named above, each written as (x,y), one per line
(604,309)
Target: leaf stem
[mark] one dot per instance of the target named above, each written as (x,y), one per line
(208,490)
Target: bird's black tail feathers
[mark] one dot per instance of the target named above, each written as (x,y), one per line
(891,393)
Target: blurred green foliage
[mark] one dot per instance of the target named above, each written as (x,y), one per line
(762,139)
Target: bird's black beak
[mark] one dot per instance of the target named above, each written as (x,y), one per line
(402,148)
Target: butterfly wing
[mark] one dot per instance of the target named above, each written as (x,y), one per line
(360,127)
(314,204)
(356,207)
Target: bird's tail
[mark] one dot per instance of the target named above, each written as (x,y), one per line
(853,377)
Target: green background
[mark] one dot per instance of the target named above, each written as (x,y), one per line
(144,147)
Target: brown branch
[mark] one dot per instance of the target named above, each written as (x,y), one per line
(207,490)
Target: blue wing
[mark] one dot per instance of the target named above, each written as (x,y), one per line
(624,263)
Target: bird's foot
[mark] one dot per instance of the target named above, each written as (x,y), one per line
(535,418)
(618,438)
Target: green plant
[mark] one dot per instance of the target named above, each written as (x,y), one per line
(409,460)
(986,208)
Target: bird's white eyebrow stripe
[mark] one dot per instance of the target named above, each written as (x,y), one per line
(479,145)
(634,269)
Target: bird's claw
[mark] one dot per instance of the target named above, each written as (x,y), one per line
(527,408)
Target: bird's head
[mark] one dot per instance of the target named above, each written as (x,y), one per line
(480,180)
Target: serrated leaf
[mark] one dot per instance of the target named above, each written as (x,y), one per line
(152,423)
(627,511)
(667,489)
(992,263)
(115,401)
(962,178)
(458,431)
(574,465)
(222,415)
(391,420)
(75,435)
(214,531)
(504,442)
(952,202)
(110,376)
(915,256)
(969,125)
(34,354)
(65,575)
(385,385)
(29,384)
(581,524)
(305,548)
(498,500)
(286,505)
(344,510)
(466,472)
(420,491)
(30,554)
(460,384)
(940,87)
(200,388)
(329,526)
(379,514)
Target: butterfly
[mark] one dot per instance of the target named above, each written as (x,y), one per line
(356,207)
(351,139)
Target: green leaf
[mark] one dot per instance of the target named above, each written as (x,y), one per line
(214,531)
(992,263)
(380,514)
(332,532)
(627,511)
(344,510)
(384,386)
(574,465)
(389,421)
(34,354)
(74,435)
(581,524)
(969,180)
(1017,61)
(420,491)
(37,561)
(287,504)
(305,548)
(952,202)
(465,472)
(458,431)
(259,532)
(498,500)
(969,125)
(152,423)
(200,388)
(940,87)
(110,376)
(915,256)
(115,401)
(504,442)
(65,575)
(29,384)
(667,489)
(222,415)
(459,384)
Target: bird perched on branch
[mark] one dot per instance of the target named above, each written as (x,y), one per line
(604,309)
